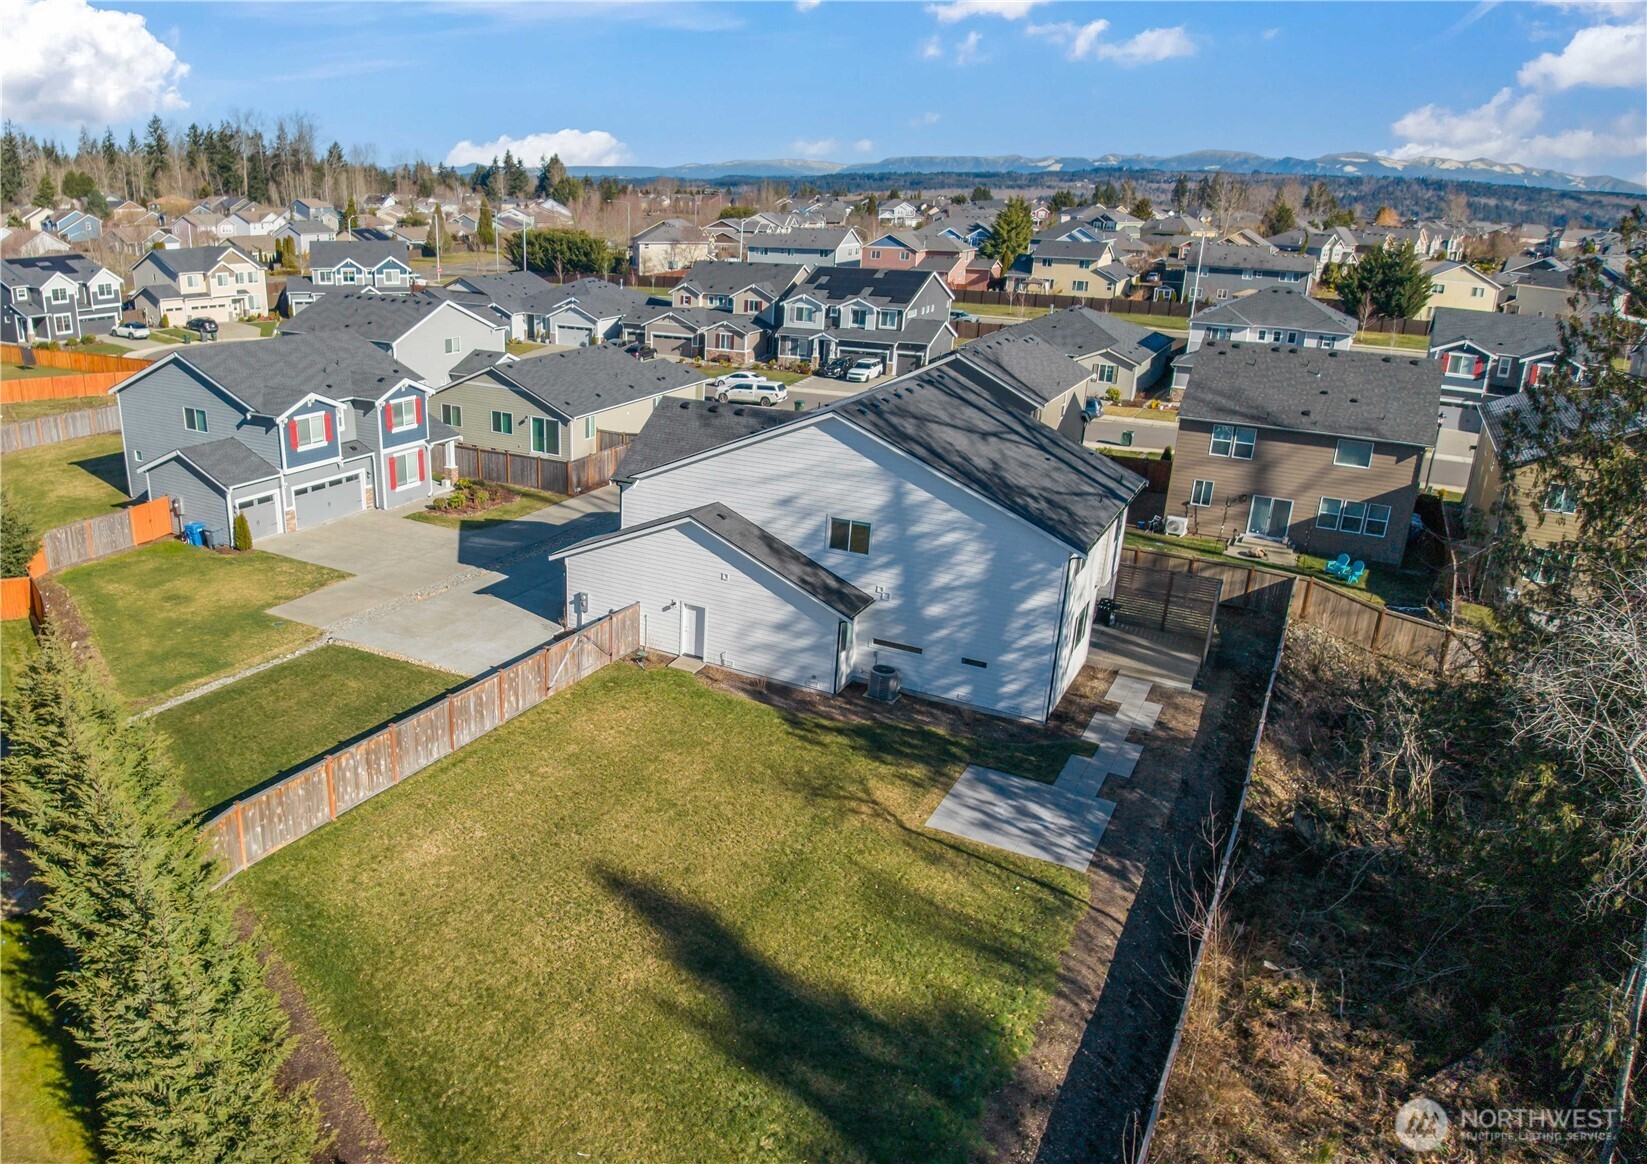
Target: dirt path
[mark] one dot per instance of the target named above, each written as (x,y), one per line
(1085,1089)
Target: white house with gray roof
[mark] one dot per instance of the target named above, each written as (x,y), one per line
(669,245)
(931,524)
(1279,315)
(428,333)
(217,282)
(291,432)
(818,246)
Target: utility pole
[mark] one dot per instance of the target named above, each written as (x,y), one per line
(1200,256)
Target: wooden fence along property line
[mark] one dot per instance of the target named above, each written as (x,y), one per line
(1373,628)
(543,473)
(62,426)
(251,829)
(72,361)
(98,537)
(64,387)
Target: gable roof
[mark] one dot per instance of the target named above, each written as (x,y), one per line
(879,285)
(755,543)
(810,238)
(1277,307)
(1506,419)
(368,253)
(1081,331)
(226,461)
(595,296)
(1494,332)
(37,270)
(685,429)
(383,318)
(1326,391)
(1025,363)
(272,375)
(1234,256)
(721,277)
(582,381)
(1438,269)
(177,261)
(1071,249)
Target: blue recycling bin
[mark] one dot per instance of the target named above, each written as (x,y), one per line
(194,533)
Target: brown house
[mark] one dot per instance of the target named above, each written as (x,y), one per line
(1322,448)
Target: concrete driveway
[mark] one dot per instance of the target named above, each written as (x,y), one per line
(464,601)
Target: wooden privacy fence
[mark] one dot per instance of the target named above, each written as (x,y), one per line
(98,537)
(1375,629)
(1113,306)
(251,829)
(1155,470)
(544,473)
(62,387)
(74,361)
(63,426)
(20,598)
(1167,600)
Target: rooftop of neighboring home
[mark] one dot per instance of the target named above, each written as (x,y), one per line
(366,253)
(1436,270)
(582,381)
(1278,307)
(878,285)
(309,226)
(1514,426)
(1494,332)
(1233,256)
(20,239)
(177,261)
(1072,250)
(938,416)
(272,375)
(226,461)
(595,296)
(1033,368)
(1081,331)
(814,238)
(725,277)
(1325,391)
(514,291)
(671,230)
(36,270)
(382,318)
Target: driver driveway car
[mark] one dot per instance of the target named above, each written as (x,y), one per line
(464,601)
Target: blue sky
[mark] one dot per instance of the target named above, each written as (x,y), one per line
(1557,85)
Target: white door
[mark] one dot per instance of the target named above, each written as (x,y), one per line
(692,618)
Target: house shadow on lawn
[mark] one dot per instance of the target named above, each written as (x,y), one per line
(109,469)
(904,1089)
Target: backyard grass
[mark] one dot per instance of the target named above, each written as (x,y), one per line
(38,372)
(995,310)
(68,481)
(170,616)
(528,501)
(262,726)
(103,349)
(29,409)
(44,1096)
(1381,339)
(1382,586)
(649,920)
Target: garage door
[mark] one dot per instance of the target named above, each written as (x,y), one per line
(323,500)
(576,336)
(262,515)
(672,345)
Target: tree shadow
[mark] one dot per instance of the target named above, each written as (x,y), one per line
(32,965)
(895,1089)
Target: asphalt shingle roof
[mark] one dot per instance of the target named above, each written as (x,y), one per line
(893,288)
(228,462)
(678,430)
(272,375)
(1081,331)
(383,318)
(178,260)
(1234,257)
(1278,307)
(1512,424)
(366,252)
(34,271)
(1495,332)
(582,381)
(1329,391)
(1029,365)
(721,277)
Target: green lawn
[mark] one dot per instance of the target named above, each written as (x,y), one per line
(29,409)
(249,732)
(528,501)
(994,310)
(522,347)
(103,349)
(69,481)
(1382,585)
(648,920)
(265,327)
(44,1096)
(170,616)
(38,372)
(1380,339)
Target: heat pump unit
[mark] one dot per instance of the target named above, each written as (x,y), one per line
(884,684)
(1177,526)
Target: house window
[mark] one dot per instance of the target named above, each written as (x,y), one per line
(725,340)
(452,414)
(1223,292)
(406,469)
(751,306)
(503,422)
(1505,363)
(897,646)
(194,419)
(1236,441)
(1201,494)
(453,345)
(1353,517)
(403,413)
(1353,454)
(62,323)
(851,536)
(1437,289)
(1561,499)
(1461,364)
(874,254)
(1079,284)
(324,275)
(589,428)
(887,319)
(860,317)
(59,295)
(310,431)
(1106,373)
(805,314)
(1545,566)
(1477,292)
(347,275)
(545,436)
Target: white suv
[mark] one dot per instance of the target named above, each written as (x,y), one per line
(749,388)
(865,370)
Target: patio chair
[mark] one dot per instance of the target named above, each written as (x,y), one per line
(1338,567)
(1356,572)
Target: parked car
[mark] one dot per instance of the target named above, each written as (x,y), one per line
(137,330)
(956,315)
(750,388)
(205,328)
(642,351)
(835,369)
(867,369)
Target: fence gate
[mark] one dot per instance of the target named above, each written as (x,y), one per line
(1168,602)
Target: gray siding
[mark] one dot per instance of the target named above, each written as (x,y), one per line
(196,498)
(297,459)
(423,349)
(151,419)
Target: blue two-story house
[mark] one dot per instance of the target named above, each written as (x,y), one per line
(57,297)
(291,432)
(900,316)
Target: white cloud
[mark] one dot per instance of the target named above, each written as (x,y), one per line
(68,63)
(967,52)
(819,148)
(1271,33)
(806,5)
(932,48)
(1604,55)
(928,118)
(576,147)
(1511,129)
(1084,41)
(953,10)
(863,145)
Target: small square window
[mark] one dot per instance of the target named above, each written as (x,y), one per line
(1561,499)
(452,414)
(1201,493)
(194,419)
(1353,454)
(503,422)
(851,536)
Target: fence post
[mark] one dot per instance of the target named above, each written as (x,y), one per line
(1378,625)
(240,829)
(543,653)
(1304,606)
(500,698)
(1166,603)
(90,551)
(331,789)
(394,752)
(451,727)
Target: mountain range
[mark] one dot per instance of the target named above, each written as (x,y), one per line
(1346,165)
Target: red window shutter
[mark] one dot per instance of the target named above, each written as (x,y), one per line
(1534,372)
(389,417)
(392,482)
(419,400)
(328,426)
(291,432)
(1480,366)
(422,465)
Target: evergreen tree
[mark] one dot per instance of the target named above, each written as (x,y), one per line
(485,233)
(351,214)
(1061,200)
(1180,193)
(1105,193)
(45,194)
(1278,217)
(437,240)
(981,194)
(77,185)
(1010,235)
(566,253)
(1391,282)
(242,532)
(1143,208)
(178,1030)
(18,538)
(156,153)
(11,166)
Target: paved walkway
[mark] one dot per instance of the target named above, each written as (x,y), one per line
(464,601)
(1062,822)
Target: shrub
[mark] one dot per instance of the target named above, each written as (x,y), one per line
(242,532)
(1113,395)
(18,539)
(164,321)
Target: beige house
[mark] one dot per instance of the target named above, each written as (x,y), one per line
(559,405)
(220,282)
(1462,286)
(671,245)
